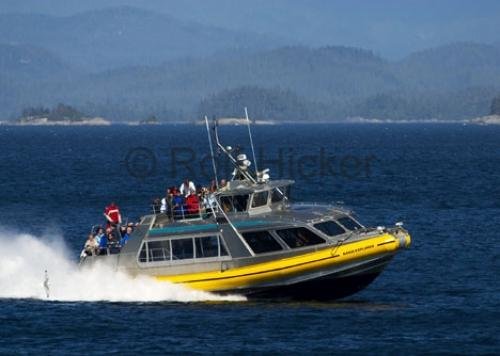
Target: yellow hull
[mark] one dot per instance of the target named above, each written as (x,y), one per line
(267,273)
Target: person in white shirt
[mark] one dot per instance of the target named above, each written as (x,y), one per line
(187,187)
(90,245)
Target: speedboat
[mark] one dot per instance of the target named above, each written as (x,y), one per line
(249,238)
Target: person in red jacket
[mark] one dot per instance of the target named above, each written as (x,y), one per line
(112,215)
(192,204)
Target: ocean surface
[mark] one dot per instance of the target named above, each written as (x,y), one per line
(440,296)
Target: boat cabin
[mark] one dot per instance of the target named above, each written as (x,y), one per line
(242,196)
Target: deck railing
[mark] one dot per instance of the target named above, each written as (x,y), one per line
(202,211)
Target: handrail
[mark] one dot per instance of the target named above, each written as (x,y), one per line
(233,227)
(183,213)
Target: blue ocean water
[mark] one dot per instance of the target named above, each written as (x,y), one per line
(440,296)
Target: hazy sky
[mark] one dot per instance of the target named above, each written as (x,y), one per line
(390,27)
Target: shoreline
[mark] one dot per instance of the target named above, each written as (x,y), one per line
(480,121)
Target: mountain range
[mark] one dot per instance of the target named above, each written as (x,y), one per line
(116,37)
(126,63)
(391,28)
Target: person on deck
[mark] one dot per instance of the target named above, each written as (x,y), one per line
(166,202)
(213,186)
(156,205)
(178,205)
(112,215)
(208,199)
(223,185)
(192,205)
(103,245)
(99,234)
(126,236)
(187,187)
(91,245)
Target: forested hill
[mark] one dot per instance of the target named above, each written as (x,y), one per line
(115,37)
(495,106)
(290,83)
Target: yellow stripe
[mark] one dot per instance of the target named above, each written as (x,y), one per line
(248,276)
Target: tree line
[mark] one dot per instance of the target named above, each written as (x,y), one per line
(60,112)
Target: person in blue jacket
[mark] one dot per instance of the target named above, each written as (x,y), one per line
(103,245)
(178,205)
(126,236)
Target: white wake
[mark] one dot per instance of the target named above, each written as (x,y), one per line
(24,259)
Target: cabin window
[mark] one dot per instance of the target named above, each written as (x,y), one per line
(142,255)
(330,228)
(278,194)
(182,249)
(260,199)
(159,251)
(234,203)
(261,241)
(207,246)
(349,223)
(299,237)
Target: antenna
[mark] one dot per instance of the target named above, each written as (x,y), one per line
(212,153)
(251,142)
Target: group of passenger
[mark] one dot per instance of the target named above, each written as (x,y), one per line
(178,203)
(110,238)
(186,201)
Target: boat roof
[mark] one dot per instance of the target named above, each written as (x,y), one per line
(237,187)
(296,214)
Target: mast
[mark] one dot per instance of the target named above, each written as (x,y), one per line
(251,142)
(214,166)
(226,151)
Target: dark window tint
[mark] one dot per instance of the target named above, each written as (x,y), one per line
(259,199)
(234,203)
(227,204)
(240,202)
(182,249)
(159,251)
(207,246)
(142,255)
(261,241)
(330,228)
(223,251)
(299,237)
(349,223)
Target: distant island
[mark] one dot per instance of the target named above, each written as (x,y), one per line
(235,121)
(67,115)
(493,118)
(151,120)
(61,114)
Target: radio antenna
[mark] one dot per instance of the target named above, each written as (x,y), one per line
(212,153)
(251,142)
